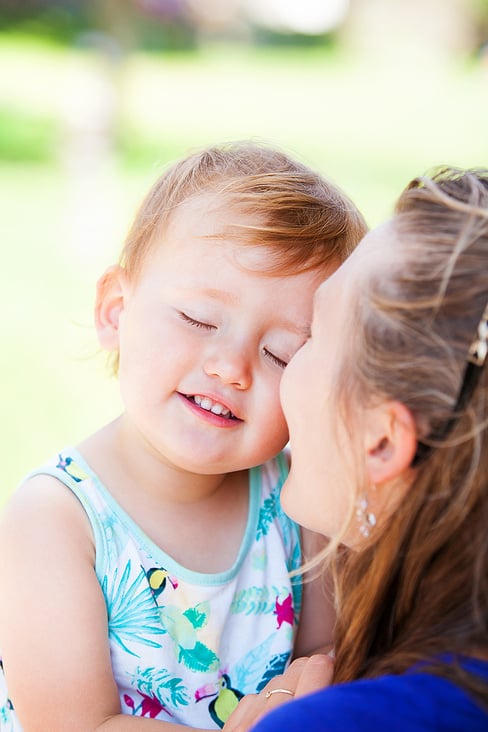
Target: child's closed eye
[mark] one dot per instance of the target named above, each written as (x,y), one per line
(196,323)
(275,359)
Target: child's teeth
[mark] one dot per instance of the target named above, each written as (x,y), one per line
(210,406)
(220,409)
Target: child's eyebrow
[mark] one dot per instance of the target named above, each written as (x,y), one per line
(223,295)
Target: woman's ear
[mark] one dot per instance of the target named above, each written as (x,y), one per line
(109,305)
(391,441)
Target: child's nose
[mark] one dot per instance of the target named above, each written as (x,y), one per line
(231,365)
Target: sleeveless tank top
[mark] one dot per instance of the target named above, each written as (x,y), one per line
(186,646)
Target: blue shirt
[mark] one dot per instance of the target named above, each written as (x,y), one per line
(411,702)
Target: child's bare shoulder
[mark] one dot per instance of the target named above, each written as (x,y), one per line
(41,513)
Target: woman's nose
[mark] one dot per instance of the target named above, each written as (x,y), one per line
(231,365)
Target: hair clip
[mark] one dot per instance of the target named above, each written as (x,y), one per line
(479,347)
(475,359)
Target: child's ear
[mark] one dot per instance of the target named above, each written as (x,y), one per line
(109,305)
(391,441)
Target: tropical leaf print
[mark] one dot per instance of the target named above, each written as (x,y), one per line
(198,615)
(294,560)
(182,628)
(256,600)
(132,615)
(248,671)
(267,514)
(115,533)
(276,665)
(198,658)
(259,559)
(159,684)
(178,625)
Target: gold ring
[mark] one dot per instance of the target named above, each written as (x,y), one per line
(278,691)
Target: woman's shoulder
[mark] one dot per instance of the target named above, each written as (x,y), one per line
(414,700)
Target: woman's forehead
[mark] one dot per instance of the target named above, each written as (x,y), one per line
(369,257)
(376,242)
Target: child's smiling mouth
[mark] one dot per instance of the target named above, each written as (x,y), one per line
(209,405)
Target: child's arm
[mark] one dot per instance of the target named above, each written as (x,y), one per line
(317,618)
(53,618)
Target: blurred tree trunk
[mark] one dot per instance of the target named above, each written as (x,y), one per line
(91,127)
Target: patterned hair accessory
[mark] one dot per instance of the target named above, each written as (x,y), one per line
(478,350)
(475,360)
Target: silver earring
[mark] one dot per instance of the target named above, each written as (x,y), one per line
(367,519)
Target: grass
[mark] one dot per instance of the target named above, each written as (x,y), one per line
(68,193)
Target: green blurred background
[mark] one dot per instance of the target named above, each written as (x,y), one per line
(96,97)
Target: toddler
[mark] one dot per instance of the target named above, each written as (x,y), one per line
(145,573)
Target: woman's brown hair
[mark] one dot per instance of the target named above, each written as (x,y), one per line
(419,592)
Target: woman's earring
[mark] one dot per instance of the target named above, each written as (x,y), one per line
(367,519)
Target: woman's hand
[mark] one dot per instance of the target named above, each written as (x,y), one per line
(303,676)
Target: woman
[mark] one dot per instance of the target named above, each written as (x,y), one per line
(387,406)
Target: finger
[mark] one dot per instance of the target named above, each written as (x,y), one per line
(316,673)
(289,679)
